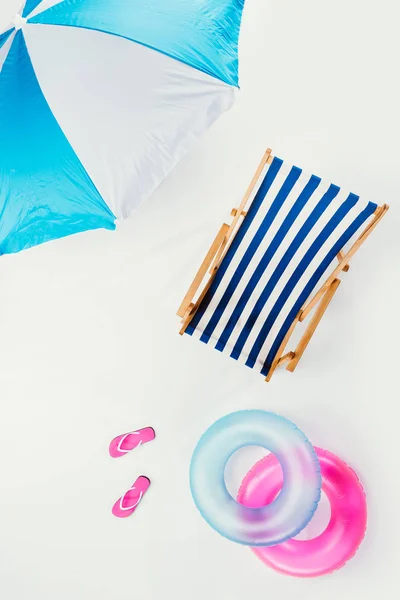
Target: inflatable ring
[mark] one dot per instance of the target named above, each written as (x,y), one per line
(338,543)
(290,512)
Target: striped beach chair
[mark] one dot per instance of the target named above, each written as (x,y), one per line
(279,259)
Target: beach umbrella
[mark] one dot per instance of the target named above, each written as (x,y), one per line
(99,99)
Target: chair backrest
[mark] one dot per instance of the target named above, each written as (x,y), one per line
(292,232)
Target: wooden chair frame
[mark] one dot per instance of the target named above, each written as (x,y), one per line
(322,298)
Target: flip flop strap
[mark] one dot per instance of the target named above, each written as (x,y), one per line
(122,450)
(133,505)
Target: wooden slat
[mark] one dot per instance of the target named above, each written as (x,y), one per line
(286,357)
(304,341)
(234,212)
(190,314)
(378,215)
(217,251)
(218,257)
(240,212)
(282,347)
(194,286)
(340,256)
(256,176)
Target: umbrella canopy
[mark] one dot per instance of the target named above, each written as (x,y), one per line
(98,101)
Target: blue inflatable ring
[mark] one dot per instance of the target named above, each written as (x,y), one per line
(292,509)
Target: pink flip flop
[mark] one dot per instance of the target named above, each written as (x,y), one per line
(128,503)
(127,442)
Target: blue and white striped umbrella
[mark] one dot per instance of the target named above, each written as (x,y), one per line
(98,101)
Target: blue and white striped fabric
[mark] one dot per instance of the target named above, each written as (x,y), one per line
(293,230)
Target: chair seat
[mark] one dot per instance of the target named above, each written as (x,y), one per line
(292,232)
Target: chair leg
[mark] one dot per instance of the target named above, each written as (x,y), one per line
(340,258)
(304,341)
(286,358)
(240,213)
(378,215)
(203,270)
(279,359)
(192,308)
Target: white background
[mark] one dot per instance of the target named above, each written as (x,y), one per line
(89,345)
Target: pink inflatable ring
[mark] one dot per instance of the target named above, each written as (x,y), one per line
(333,547)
